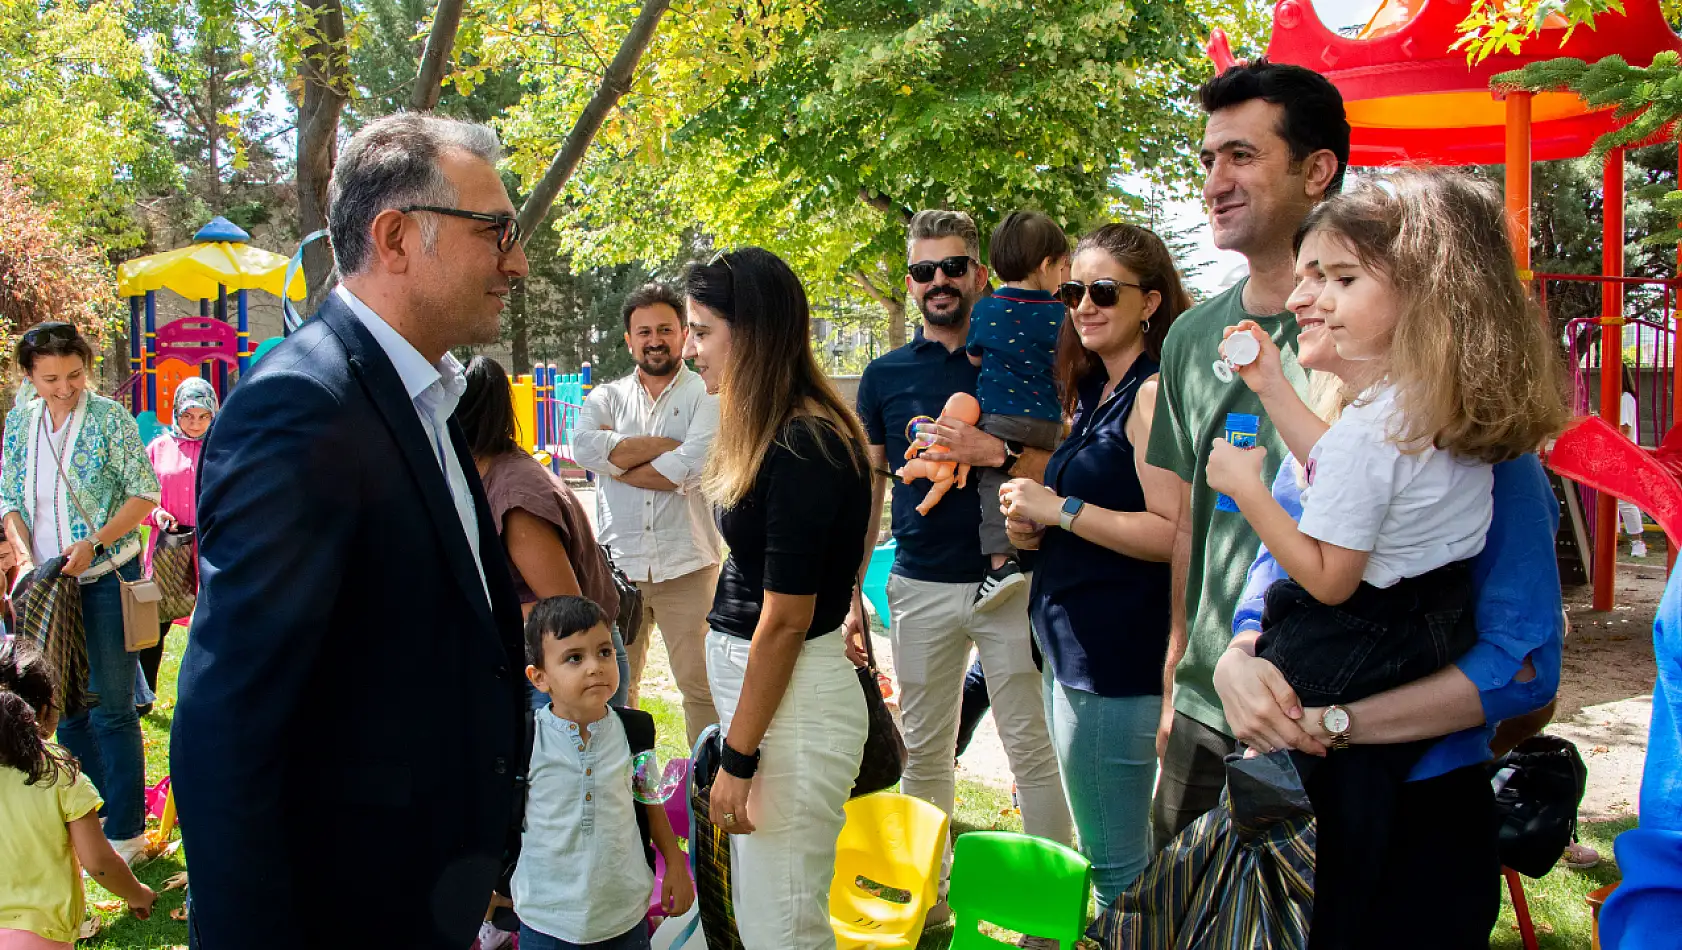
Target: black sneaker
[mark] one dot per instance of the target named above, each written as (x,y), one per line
(998,585)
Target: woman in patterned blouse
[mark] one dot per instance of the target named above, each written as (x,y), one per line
(104,464)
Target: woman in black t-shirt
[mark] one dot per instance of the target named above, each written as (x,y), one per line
(788,473)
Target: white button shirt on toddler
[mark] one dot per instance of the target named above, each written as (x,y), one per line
(582,876)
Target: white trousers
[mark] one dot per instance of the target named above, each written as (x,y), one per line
(1631,517)
(808,761)
(934,625)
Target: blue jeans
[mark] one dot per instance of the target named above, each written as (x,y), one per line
(106,738)
(1106,750)
(634,939)
(620,696)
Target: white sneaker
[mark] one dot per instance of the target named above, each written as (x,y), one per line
(131,850)
(998,585)
(1638,548)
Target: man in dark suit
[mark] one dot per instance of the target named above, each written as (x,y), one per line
(344,750)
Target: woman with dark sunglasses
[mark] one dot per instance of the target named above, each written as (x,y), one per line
(1103,523)
(70,451)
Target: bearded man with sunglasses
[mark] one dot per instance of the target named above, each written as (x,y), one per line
(939,565)
(351,698)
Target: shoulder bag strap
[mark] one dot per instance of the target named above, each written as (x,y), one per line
(69,489)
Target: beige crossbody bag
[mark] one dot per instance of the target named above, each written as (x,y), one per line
(141,597)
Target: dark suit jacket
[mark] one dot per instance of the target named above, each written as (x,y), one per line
(350,704)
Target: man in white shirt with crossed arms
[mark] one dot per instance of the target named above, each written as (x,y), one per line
(647,436)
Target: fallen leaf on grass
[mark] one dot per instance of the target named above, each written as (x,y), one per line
(179,913)
(176,882)
(108,906)
(90,928)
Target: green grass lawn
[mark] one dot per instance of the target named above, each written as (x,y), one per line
(1556,901)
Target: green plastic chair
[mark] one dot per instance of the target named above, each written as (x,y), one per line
(1019,882)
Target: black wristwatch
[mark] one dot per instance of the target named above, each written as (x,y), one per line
(98,548)
(738,764)
(1013,454)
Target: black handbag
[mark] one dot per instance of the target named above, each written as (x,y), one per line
(1538,788)
(884,749)
(631,615)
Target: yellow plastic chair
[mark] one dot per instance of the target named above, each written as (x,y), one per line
(887,871)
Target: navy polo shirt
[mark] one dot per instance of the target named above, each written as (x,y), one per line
(897,390)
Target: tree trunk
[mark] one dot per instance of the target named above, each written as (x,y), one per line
(615,83)
(893,304)
(213,128)
(896,323)
(519,332)
(435,62)
(325,75)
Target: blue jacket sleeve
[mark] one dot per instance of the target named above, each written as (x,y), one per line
(1519,613)
(1644,910)
(277,517)
(1264,571)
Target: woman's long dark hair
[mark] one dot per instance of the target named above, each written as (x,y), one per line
(772,377)
(486,410)
(26,699)
(1142,252)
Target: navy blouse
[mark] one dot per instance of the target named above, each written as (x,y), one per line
(1101,616)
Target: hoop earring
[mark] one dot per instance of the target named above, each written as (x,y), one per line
(1145,325)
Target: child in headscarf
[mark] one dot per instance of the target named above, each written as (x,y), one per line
(175,457)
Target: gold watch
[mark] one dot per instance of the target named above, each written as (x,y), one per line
(1335,720)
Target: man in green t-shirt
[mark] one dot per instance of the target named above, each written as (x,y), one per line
(1276,143)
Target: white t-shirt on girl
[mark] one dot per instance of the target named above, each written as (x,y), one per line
(582,876)
(1413,511)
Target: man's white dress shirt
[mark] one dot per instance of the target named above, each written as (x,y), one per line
(654,535)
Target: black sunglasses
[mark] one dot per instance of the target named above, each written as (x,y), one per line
(954,267)
(1104,292)
(55,330)
(507,226)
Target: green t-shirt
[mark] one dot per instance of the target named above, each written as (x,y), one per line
(1191,408)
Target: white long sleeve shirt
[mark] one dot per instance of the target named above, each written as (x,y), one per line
(654,535)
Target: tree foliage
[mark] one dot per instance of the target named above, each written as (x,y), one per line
(69,122)
(814,129)
(1647,102)
(210,93)
(46,274)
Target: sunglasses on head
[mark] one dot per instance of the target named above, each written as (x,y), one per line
(1104,293)
(954,267)
(507,226)
(56,330)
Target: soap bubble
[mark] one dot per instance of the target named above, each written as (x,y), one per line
(1239,349)
(653,785)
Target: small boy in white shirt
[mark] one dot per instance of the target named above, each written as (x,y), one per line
(585,873)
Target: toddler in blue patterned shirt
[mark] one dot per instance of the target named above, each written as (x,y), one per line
(1013,338)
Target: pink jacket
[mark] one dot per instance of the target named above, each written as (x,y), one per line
(177,463)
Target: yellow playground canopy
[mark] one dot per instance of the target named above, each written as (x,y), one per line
(219,257)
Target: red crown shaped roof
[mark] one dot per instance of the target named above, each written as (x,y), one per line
(1412,99)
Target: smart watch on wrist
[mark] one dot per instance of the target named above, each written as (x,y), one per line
(738,764)
(1013,454)
(1071,508)
(98,548)
(1335,720)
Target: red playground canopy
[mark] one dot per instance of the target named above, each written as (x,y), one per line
(1412,99)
